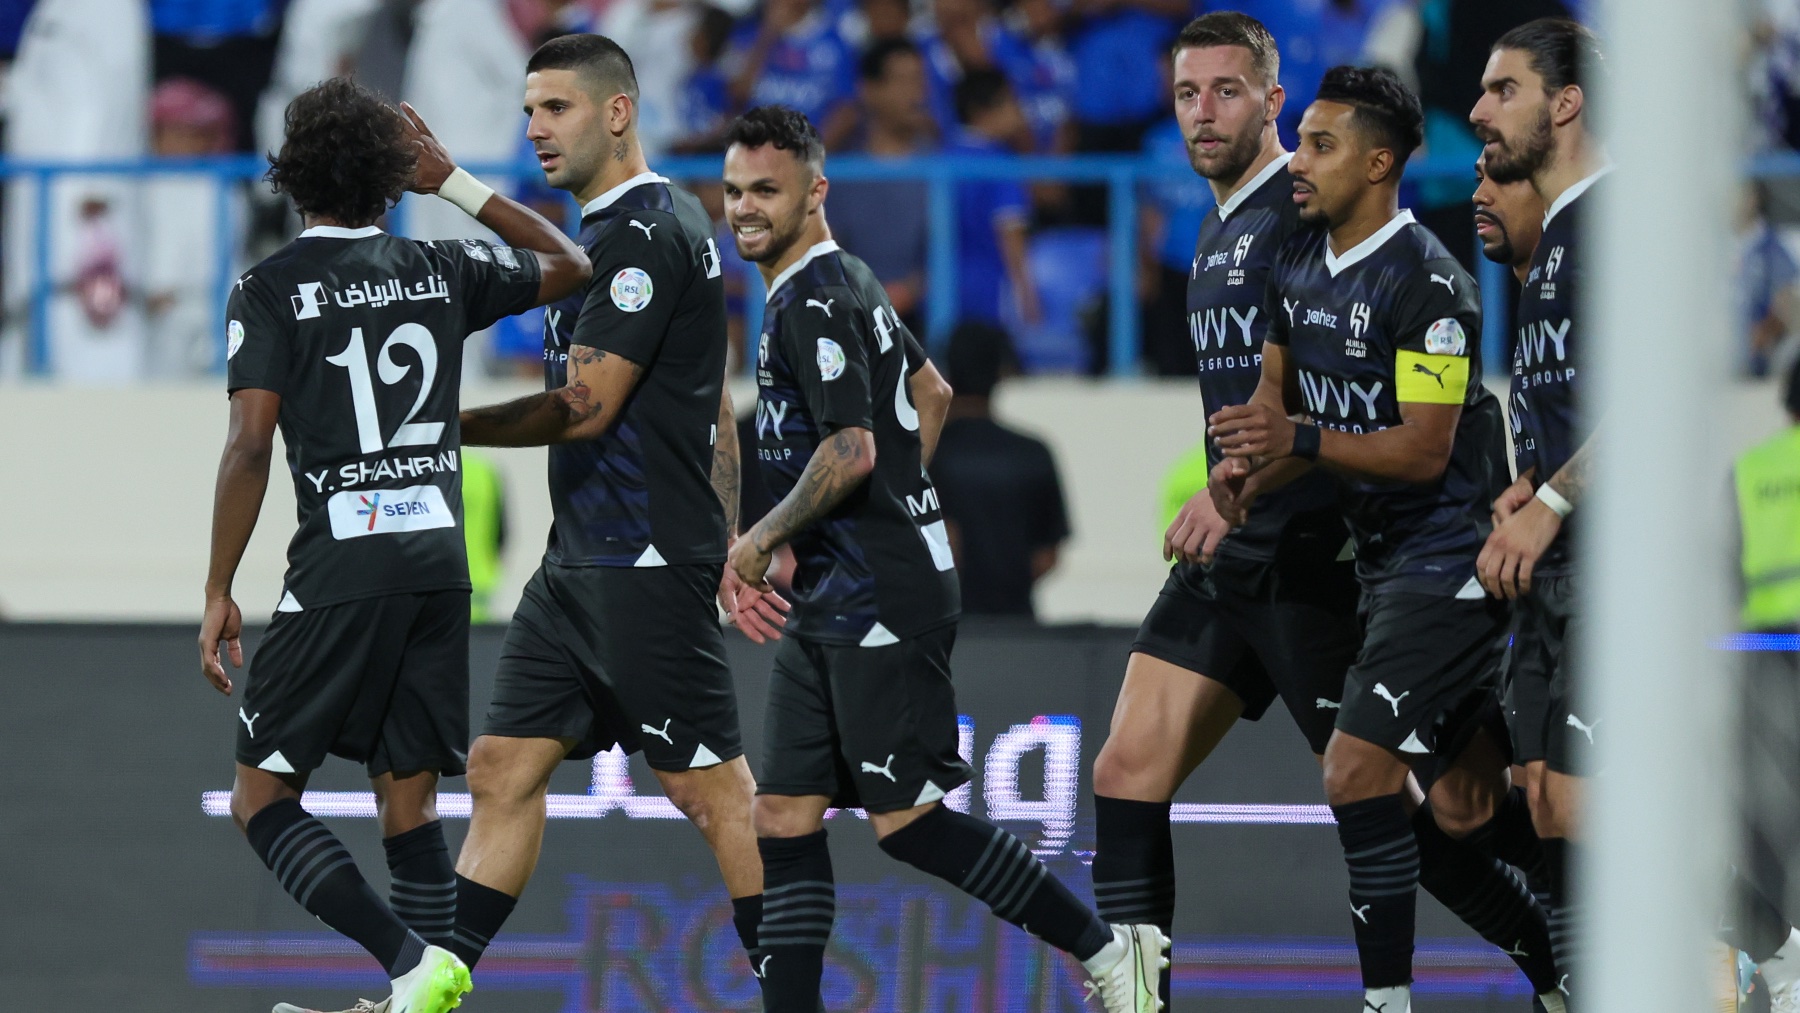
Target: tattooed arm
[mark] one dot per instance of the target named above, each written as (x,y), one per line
(584,408)
(725,478)
(840,464)
(1572,479)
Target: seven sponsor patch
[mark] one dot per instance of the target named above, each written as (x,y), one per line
(357,513)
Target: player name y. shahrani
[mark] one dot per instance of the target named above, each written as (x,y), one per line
(385,469)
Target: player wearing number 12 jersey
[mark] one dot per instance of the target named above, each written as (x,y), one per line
(351,341)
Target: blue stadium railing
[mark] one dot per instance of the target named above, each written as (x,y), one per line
(1120,174)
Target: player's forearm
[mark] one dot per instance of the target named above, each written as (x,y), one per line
(1571,480)
(1403,453)
(237,502)
(840,464)
(565,265)
(1013,236)
(931,396)
(726,480)
(536,420)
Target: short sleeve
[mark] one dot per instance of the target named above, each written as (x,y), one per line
(1436,325)
(1276,308)
(258,337)
(493,281)
(915,352)
(827,339)
(641,266)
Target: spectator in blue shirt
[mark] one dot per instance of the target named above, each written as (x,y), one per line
(1174,203)
(795,56)
(1316,35)
(705,105)
(883,221)
(993,216)
(966,35)
(1115,44)
(1766,274)
(1043,73)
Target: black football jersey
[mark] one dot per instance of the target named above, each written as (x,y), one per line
(641,495)
(361,334)
(1396,320)
(834,355)
(1227,320)
(1545,384)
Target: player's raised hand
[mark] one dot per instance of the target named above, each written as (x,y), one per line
(435,164)
(1515,496)
(1196,531)
(758,615)
(221,623)
(1252,430)
(1513,549)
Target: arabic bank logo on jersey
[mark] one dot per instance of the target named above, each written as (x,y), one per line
(1359,319)
(1242,250)
(632,290)
(309,300)
(1554,262)
(234,338)
(831,360)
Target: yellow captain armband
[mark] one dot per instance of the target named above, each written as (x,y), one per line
(1422,378)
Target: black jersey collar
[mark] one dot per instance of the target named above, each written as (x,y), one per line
(1569,195)
(1243,194)
(605,200)
(1336,264)
(339,232)
(816,251)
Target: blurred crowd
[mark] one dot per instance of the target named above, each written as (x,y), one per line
(135,264)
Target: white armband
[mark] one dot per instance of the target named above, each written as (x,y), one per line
(465,191)
(1554,500)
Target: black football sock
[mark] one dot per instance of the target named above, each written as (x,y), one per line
(799,904)
(1559,855)
(1383,858)
(1758,927)
(997,869)
(422,889)
(1511,838)
(315,870)
(1490,897)
(1134,867)
(480,911)
(746,917)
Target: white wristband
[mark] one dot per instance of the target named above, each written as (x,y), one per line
(465,191)
(1554,500)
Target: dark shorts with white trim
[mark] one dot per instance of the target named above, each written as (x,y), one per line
(383,681)
(626,656)
(1262,630)
(868,727)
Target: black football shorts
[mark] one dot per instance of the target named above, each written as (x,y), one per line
(1262,630)
(1429,666)
(868,727)
(1540,686)
(383,681)
(618,655)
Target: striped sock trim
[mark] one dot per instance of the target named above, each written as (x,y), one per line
(798,914)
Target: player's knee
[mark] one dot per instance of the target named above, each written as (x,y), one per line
(775,816)
(1464,804)
(1351,776)
(1122,769)
(496,778)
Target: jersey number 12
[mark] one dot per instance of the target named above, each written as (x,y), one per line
(355,358)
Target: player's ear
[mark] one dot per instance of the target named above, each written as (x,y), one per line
(1380,163)
(815,199)
(619,113)
(1567,104)
(1273,104)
